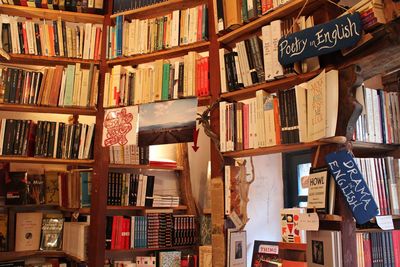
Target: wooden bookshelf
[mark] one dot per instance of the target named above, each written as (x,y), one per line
(20,255)
(203,101)
(162,54)
(44,109)
(272,86)
(365,148)
(21,159)
(286,10)
(272,149)
(42,13)
(45,60)
(31,207)
(158,9)
(144,167)
(116,252)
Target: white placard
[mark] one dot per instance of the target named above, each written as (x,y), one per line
(308,221)
(120,126)
(385,222)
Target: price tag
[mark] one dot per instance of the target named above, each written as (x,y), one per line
(308,221)
(385,222)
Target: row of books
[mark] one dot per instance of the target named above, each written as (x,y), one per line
(382,176)
(253,61)
(66,189)
(51,86)
(50,38)
(159,80)
(92,6)
(125,5)
(380,121)
(372,13)
(46,139)
(378,249)
(300,114)
(231,14)
(163,258)
(141,36)
(129,154)
(154,230)
(128,189)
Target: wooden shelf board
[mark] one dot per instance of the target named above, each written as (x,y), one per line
(19,255)
(32,12)
(366,146)
(272,149)
(144,167)
(330,218)
(163,54)
(158,9)
(45,60)
(31,207)
(272,86)
(132,208)
(292,246)
(256,25)
(73,210)
(43,109)
(203,101)
(21,159)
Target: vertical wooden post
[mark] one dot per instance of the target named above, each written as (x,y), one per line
(218,240)
(96,242)
(185,184)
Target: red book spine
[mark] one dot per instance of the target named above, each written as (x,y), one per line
(199,22)
(396,247)
(51,38)
(197,77)
(114,232)
(97,47)
(367,250)
(25,37)
(264,6)
(127,233)
(206,81)
(24,3)
(277,121)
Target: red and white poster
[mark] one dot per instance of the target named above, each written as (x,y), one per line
(120,126)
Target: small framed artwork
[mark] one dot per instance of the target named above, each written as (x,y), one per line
(237,253)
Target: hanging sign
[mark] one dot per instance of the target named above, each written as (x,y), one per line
(120,126)
(322,39)
(351,182)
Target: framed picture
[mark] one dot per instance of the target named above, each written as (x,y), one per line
(237,252)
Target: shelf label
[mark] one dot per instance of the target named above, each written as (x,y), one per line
(322,39)
(308,221)
(351,182)
(120,126)
(385,222)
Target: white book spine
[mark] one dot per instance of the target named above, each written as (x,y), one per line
(276,30)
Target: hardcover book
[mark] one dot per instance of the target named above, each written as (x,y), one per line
(36,189)
(289,223)
(51,233)
(17,188)
(27,235)
(318,190)
(265,253)
(52,188)
(324,248)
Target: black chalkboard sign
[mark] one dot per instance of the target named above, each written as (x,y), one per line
(319,40)
(353,186)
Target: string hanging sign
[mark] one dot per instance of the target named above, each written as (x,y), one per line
(322,39)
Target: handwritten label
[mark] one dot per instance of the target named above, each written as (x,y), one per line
(351,182)
(322,39)
(309,221)
(268,249)
(385,222)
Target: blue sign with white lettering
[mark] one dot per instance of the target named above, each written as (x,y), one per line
(351,182)
(322,39)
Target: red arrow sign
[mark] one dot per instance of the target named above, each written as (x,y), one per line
(195,137)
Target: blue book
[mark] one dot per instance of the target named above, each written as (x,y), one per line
(86,178)
(118,27)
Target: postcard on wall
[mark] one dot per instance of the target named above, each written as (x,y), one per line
(237,252)
(318,190)
(120,126)
(167,122)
